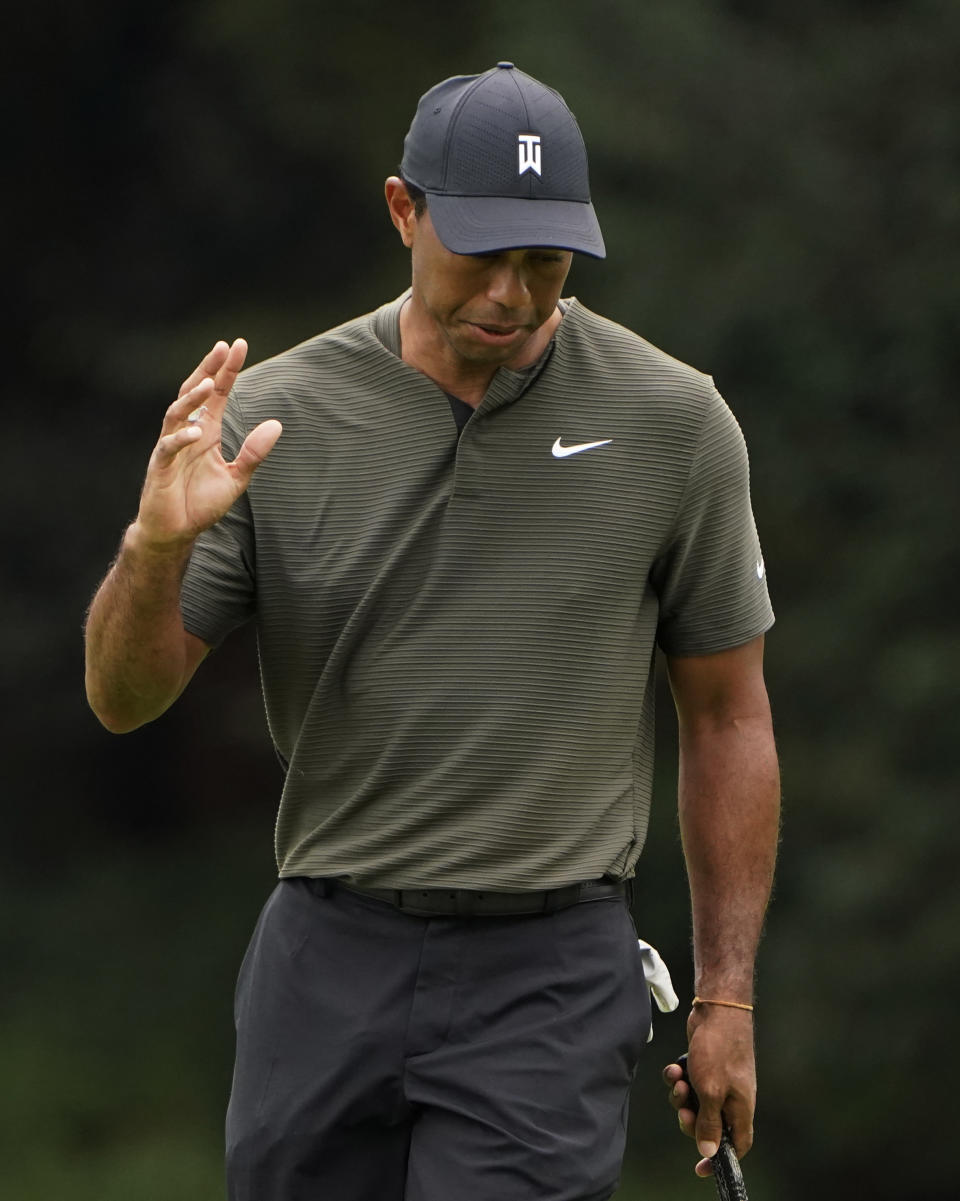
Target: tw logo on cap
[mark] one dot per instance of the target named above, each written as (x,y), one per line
(528,145)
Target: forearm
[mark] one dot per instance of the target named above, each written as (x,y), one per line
(729,821)
(138,655)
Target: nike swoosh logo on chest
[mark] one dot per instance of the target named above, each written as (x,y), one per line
(560,451)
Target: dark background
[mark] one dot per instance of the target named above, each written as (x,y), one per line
(779,188)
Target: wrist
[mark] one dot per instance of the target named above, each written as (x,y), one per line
(721,1003)
(138,543)
(732,980)
(721,1021)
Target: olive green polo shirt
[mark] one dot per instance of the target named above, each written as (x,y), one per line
(456,634)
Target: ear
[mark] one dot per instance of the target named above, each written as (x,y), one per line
(400,207)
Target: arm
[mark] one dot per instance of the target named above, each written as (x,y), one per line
(729,822)
(139,657)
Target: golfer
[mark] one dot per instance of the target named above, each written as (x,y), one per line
(462,524)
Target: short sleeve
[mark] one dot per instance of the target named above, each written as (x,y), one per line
(218,589)
(711,580)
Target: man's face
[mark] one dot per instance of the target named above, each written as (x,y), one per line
(486,307)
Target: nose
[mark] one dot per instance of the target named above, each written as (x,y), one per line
(507,284)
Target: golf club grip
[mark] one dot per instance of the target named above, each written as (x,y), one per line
(726,1166)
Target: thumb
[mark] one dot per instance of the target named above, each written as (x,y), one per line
(709,1129)
(256,446)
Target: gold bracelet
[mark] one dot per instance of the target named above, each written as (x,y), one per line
(726,1004)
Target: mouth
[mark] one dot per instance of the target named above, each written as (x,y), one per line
(494,335)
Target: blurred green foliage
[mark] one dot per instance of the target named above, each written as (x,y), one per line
(779,188)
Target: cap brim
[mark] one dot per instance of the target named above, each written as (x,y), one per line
(481,224)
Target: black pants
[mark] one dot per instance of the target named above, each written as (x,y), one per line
(384,1057)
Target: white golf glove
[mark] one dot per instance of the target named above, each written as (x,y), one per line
(657,976)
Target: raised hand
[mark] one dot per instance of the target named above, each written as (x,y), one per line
(189,486)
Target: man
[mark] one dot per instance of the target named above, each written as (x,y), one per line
(458,599)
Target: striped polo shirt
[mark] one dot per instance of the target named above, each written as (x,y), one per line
(456,630)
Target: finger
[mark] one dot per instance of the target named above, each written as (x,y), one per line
(186,404)
(742,1141)
(257,445)
(171,445)
(679,1096)
(229,370)
(207,368)
(704,1168)
(672,1073)
(740,1123)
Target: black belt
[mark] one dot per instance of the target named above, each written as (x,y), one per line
(468,902)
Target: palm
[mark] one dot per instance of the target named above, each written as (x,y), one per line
(199,489)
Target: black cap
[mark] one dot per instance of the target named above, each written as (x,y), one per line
(502,160)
